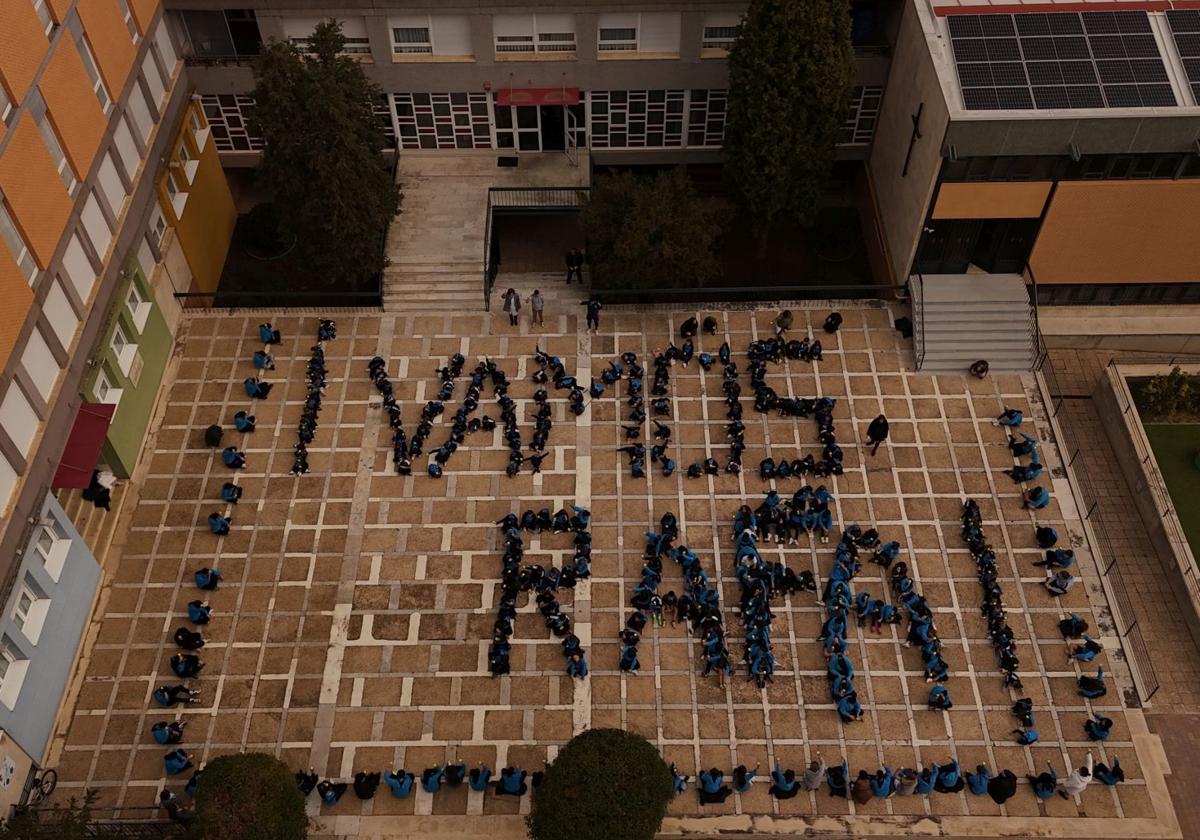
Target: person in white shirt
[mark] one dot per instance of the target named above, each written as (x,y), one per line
(1077,782)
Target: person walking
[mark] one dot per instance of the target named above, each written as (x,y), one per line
(877,432)
(512,305)
(536,304)
(574,265)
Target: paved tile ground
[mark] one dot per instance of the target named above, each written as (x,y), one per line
(351,630)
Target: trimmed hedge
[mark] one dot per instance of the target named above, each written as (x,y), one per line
(251,796)
(606,784)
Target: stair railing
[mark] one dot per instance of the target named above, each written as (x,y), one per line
(916,293)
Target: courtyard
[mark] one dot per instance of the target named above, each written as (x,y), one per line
(351,629)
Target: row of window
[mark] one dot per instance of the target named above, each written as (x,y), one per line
(69,290)
(1062,168)
(234,33)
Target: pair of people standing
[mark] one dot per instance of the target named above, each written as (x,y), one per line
(512,306)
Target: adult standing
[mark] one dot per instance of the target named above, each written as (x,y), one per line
(512,305)
(536,304)
(877,432)
(575,265)
(593,313)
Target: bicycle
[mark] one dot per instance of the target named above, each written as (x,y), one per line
(41,787)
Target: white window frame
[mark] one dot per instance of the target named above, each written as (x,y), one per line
(17,245)
(54,549)
(537,40)
(187,163)
(617,44)
(104,390)
(89,64)
(6,106)
(42,9)
(138,306)
(355,44)
(158,225)
(30,618)
(713,33)
(54,147)
(12,675)
(123,347)
(178,194)
(412,47)
(130,24)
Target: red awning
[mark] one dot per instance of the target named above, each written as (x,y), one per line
(538,96)
(83,446)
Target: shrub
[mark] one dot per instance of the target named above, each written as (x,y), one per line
(251,796)
(606,784)
(1166,396)
(70,821)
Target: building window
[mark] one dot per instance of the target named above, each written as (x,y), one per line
(129,22)
(720,31)
(411,39)
(620,38)
(13,667)
(16,244)
(230,118)
(139,307)
(706,117)
(299,31)
(534,33)
(29,611)
(52,544)
(175,189)
(6,107)
(123,349)
(89,64)
(43,15)
(442,120)
(859,127)
(56,153)
(228,35)
(448,35)
(158,225)
(105,391)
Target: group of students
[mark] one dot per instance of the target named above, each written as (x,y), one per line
(922,634)
(1036,497)
(806,512)
(885,783)
(512,781)
(551,369)
(516,578)
(1000,633)
(314,387)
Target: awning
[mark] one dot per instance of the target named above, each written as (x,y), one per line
(83,446)
(538,96)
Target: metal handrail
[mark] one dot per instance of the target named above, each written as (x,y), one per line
(487,255)
(917,301)
(740,293)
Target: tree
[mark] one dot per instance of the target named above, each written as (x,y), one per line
(790,75)
(250,796)
(1164,396)
(605,784)
(321,158)
(650,231)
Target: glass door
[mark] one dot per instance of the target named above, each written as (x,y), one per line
(518,127)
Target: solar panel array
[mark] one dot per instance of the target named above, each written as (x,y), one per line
(1185,26)
(1060,60)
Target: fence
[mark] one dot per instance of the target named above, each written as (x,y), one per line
(746,294)
(1059,388)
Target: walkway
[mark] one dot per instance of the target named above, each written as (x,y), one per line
(435,245)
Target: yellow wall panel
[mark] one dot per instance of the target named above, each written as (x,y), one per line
(18,298)
(23,45)
(1121,232)
(143,13)
(114,49)
(1015,200)
(206,228)
(73,106)
(31,186)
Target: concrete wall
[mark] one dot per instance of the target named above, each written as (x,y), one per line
(1135,456)
(29,716)
(902,201)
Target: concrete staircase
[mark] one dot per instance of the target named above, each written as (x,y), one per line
(968,317)
(434,287)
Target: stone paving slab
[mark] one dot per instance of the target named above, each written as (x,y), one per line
(351,630)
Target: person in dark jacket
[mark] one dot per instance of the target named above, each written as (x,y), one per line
(877,432)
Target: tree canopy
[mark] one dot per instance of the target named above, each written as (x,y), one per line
(321,158)
(791,69)
(605,784)
(250,796)
(650,231)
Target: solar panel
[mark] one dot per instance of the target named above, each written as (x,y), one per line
(1185,26)
(1068,59)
